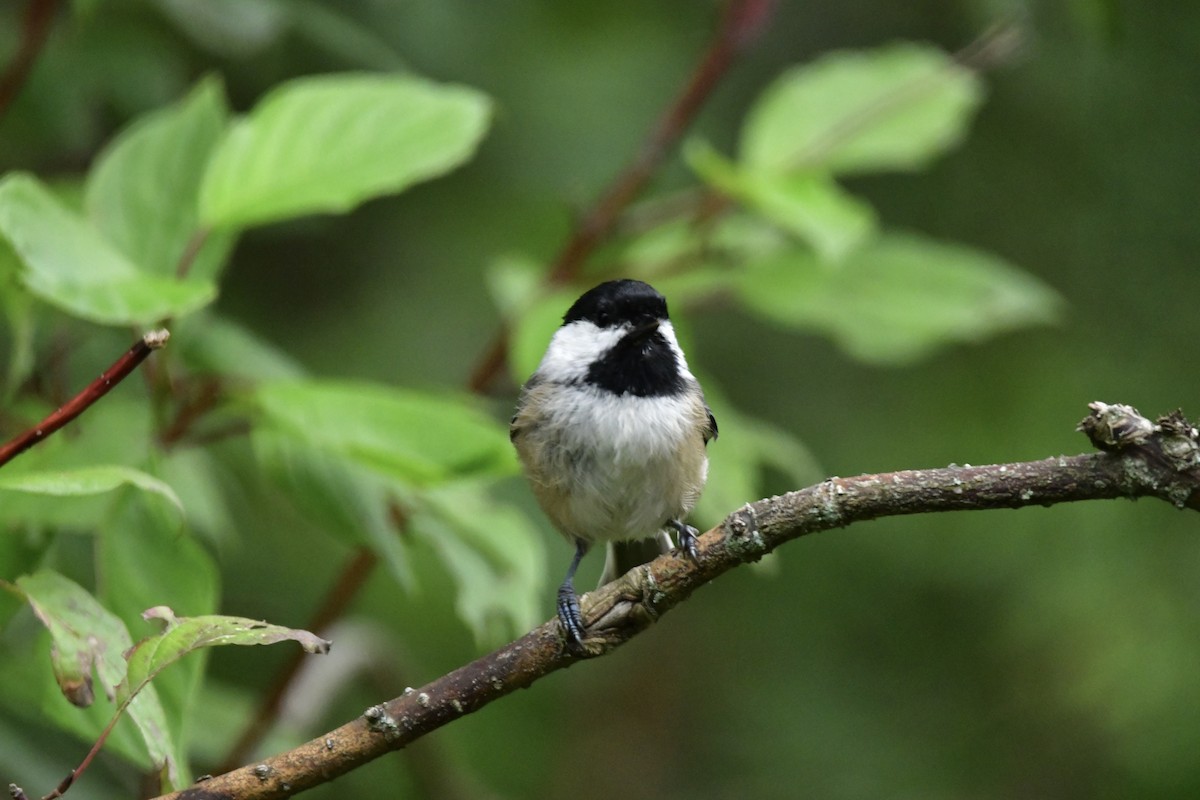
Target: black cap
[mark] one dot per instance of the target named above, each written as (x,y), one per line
(616,302)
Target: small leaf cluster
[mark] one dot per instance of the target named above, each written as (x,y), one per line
(144,239)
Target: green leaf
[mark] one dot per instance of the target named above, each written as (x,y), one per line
(212,344)
(184,635)
(116,432)
(87,639)
(233,29)
(681,259)
(718,171)
(344,452)
(900,297)
(88,643)
(142,190)
(513,281)
(87,481)
(32,696)
(494,554)
(815,208)
(349,41)
(68,264)
(895,108)
(809,204)
(337,495)
(17,306)
(143,560)
(664,246)
(329,143)
(745,237)
(406,436)
(698,284)
(196,473)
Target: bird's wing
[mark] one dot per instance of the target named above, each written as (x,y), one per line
(514,425)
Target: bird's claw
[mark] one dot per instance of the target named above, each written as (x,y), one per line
(687,538)
(570,616)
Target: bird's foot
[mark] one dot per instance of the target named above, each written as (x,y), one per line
(570,616)
(687,538)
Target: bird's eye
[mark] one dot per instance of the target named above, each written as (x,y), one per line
(603,318)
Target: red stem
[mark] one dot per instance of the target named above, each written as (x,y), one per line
(84,400)
(34,32)
(190,251)
(68,781)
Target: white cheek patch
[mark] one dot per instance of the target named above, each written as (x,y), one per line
(668,332)
(574,348)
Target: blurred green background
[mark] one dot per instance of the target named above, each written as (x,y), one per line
(1032,653)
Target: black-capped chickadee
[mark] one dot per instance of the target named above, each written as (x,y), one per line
(611,430)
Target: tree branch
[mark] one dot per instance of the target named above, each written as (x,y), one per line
(1141,459)
(83,401)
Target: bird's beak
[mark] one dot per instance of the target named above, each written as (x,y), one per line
(642,331)
(637,335)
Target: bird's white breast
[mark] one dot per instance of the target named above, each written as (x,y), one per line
(617,466)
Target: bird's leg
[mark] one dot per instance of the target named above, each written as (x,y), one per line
(687,538)
(568,602)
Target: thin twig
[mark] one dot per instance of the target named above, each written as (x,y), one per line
(207,395)
(740,21)
(84,400)
(35,29)
(69,781)
(190,251)
(1141,458)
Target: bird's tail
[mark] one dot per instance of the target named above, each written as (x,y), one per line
(620,557)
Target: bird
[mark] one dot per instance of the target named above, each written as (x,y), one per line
(612,431)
